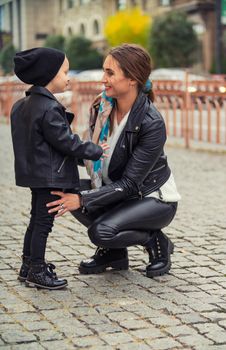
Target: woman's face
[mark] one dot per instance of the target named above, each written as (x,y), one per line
(115,83)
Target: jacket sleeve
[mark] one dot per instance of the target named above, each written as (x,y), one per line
(144,156)
(58,133)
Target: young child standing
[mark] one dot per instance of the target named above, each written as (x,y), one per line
(46,153)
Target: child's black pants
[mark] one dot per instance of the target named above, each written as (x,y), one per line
(41,223)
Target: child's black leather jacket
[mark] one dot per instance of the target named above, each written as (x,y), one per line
(45,148)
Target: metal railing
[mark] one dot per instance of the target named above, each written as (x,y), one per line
(193,111)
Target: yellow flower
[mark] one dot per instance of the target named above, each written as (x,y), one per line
(131,26)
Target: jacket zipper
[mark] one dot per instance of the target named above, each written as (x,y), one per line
(62,164)
(159,168)
(140,194)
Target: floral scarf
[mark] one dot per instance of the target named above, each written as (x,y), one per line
(99,124)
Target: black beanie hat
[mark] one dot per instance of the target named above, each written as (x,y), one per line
(38,66)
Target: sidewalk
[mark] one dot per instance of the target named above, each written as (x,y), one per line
(121,310)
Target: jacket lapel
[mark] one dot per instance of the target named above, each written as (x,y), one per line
(132,126)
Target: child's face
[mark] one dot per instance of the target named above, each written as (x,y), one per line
(60,82)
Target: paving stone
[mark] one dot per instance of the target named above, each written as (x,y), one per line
(37,325)
(2,343)
(163,344)
(30,346)
(133,346)
(191,318)
(120,338)
(71,327)
(104,347)
(94,319)
(21,317)
(54,314)
(223,323)
(89,341)
(218,337)
(210,347)
(17,336)
(150,332)
(58,344)
(165,320)
(4,318)
(106,328)
(215,315)
(120,316)
(195,339)
(206,328)
(176,331)
(10,327)
(43,335)
(134,324)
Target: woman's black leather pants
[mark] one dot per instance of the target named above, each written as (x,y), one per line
(129,223)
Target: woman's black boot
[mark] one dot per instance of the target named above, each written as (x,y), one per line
(159,250)
(42,276)
(26,262)
(103,258)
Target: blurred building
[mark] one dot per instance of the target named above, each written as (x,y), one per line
(29,22)
(202,14)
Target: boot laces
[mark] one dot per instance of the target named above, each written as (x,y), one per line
(49,269)
(101,251)
(154,251)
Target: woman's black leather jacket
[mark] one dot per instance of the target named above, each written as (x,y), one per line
(138,165)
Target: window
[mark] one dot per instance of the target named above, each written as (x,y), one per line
(60,6)
(1,17)
(144,5)
(96,27)
(40,36)
(82,29)
(70,4)
(120,4)
(165,2)
(69,30)
(133,3)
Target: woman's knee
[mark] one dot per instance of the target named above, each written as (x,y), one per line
(101,234)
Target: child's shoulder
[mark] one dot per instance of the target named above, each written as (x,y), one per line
(18,103)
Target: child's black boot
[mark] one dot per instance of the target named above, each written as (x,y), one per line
(42,276)
(26,262)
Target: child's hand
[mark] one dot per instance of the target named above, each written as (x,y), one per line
(105,147)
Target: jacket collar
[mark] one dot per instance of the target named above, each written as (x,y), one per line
(40,90)
(137,113)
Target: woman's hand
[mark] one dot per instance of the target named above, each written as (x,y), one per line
(105,147)
(67,202)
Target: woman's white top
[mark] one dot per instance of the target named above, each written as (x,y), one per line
(167,193)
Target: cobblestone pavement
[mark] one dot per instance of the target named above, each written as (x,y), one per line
(185,309)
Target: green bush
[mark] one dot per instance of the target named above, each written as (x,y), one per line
(173,41)
(81,55)
(213,69)
(56,42)
(6,58)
